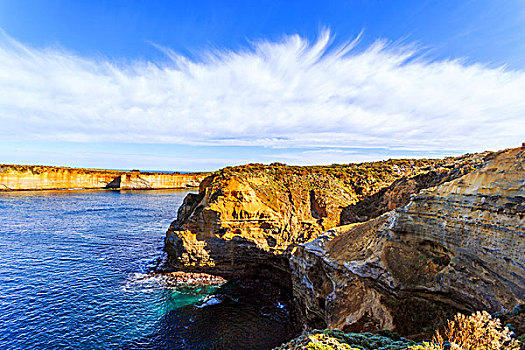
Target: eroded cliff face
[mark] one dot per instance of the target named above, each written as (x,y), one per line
(32,177)
(254,215)
(457,246)
(399,192)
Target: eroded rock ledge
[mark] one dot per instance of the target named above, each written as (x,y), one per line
(457,246)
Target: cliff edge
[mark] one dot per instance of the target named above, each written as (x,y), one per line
(455,247)
(254,214)
(406,243)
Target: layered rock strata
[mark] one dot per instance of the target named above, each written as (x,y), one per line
(252,216)
(459,246)
(29,177)
(399,192)
(456,246)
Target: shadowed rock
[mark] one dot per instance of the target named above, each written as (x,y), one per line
(455,247)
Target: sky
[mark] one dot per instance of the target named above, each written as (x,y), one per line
(199,85)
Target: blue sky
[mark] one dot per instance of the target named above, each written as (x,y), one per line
(199,85)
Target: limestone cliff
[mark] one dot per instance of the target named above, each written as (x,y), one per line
(457,246)
(34,177)
(249,216)
(399,192)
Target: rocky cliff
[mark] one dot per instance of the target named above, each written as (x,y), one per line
(253,215)
(399,192)
(32,177)
(457,246)
(406,245)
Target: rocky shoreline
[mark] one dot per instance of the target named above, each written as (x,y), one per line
(178,278)
(406,244)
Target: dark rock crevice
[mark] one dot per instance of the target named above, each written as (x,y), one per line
(115,183)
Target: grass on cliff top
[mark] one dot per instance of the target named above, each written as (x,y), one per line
(39,169)
(328,169)
(369,172)
(358,179)
(422,163)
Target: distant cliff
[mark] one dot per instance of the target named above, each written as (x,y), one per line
(33,177)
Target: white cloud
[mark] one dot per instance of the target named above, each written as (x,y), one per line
(279,94)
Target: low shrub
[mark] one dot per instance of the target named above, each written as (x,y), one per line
(477,331)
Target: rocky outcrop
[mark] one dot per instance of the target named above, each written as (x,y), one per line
(255,214)
(406,244)
(252,216)
(455,247)
(399,192)
(31,177)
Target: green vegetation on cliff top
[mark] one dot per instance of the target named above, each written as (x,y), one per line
(338,340)
(358,180)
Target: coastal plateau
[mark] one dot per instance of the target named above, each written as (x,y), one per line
(399,245)
(34,177)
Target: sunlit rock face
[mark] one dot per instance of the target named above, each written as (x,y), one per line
(419,240)
(233,223)
(34,177)
(254,215)
(457,246)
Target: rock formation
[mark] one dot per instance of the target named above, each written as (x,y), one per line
(399,192)
(399,261)
(251,215)
(34,177)
(456,247)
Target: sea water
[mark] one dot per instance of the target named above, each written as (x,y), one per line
(73,270)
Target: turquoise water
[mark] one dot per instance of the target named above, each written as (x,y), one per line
(72,267)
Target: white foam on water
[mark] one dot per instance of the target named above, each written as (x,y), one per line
(209,300)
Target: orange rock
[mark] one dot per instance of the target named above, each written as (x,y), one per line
(29,177)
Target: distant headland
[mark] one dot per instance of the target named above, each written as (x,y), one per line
(38,177)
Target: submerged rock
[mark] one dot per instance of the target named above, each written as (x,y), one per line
(187,278)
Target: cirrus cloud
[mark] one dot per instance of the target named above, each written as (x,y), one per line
(291,93)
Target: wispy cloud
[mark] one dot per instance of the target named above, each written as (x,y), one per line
(291,93)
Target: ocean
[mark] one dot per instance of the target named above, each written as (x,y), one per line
(73,270)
